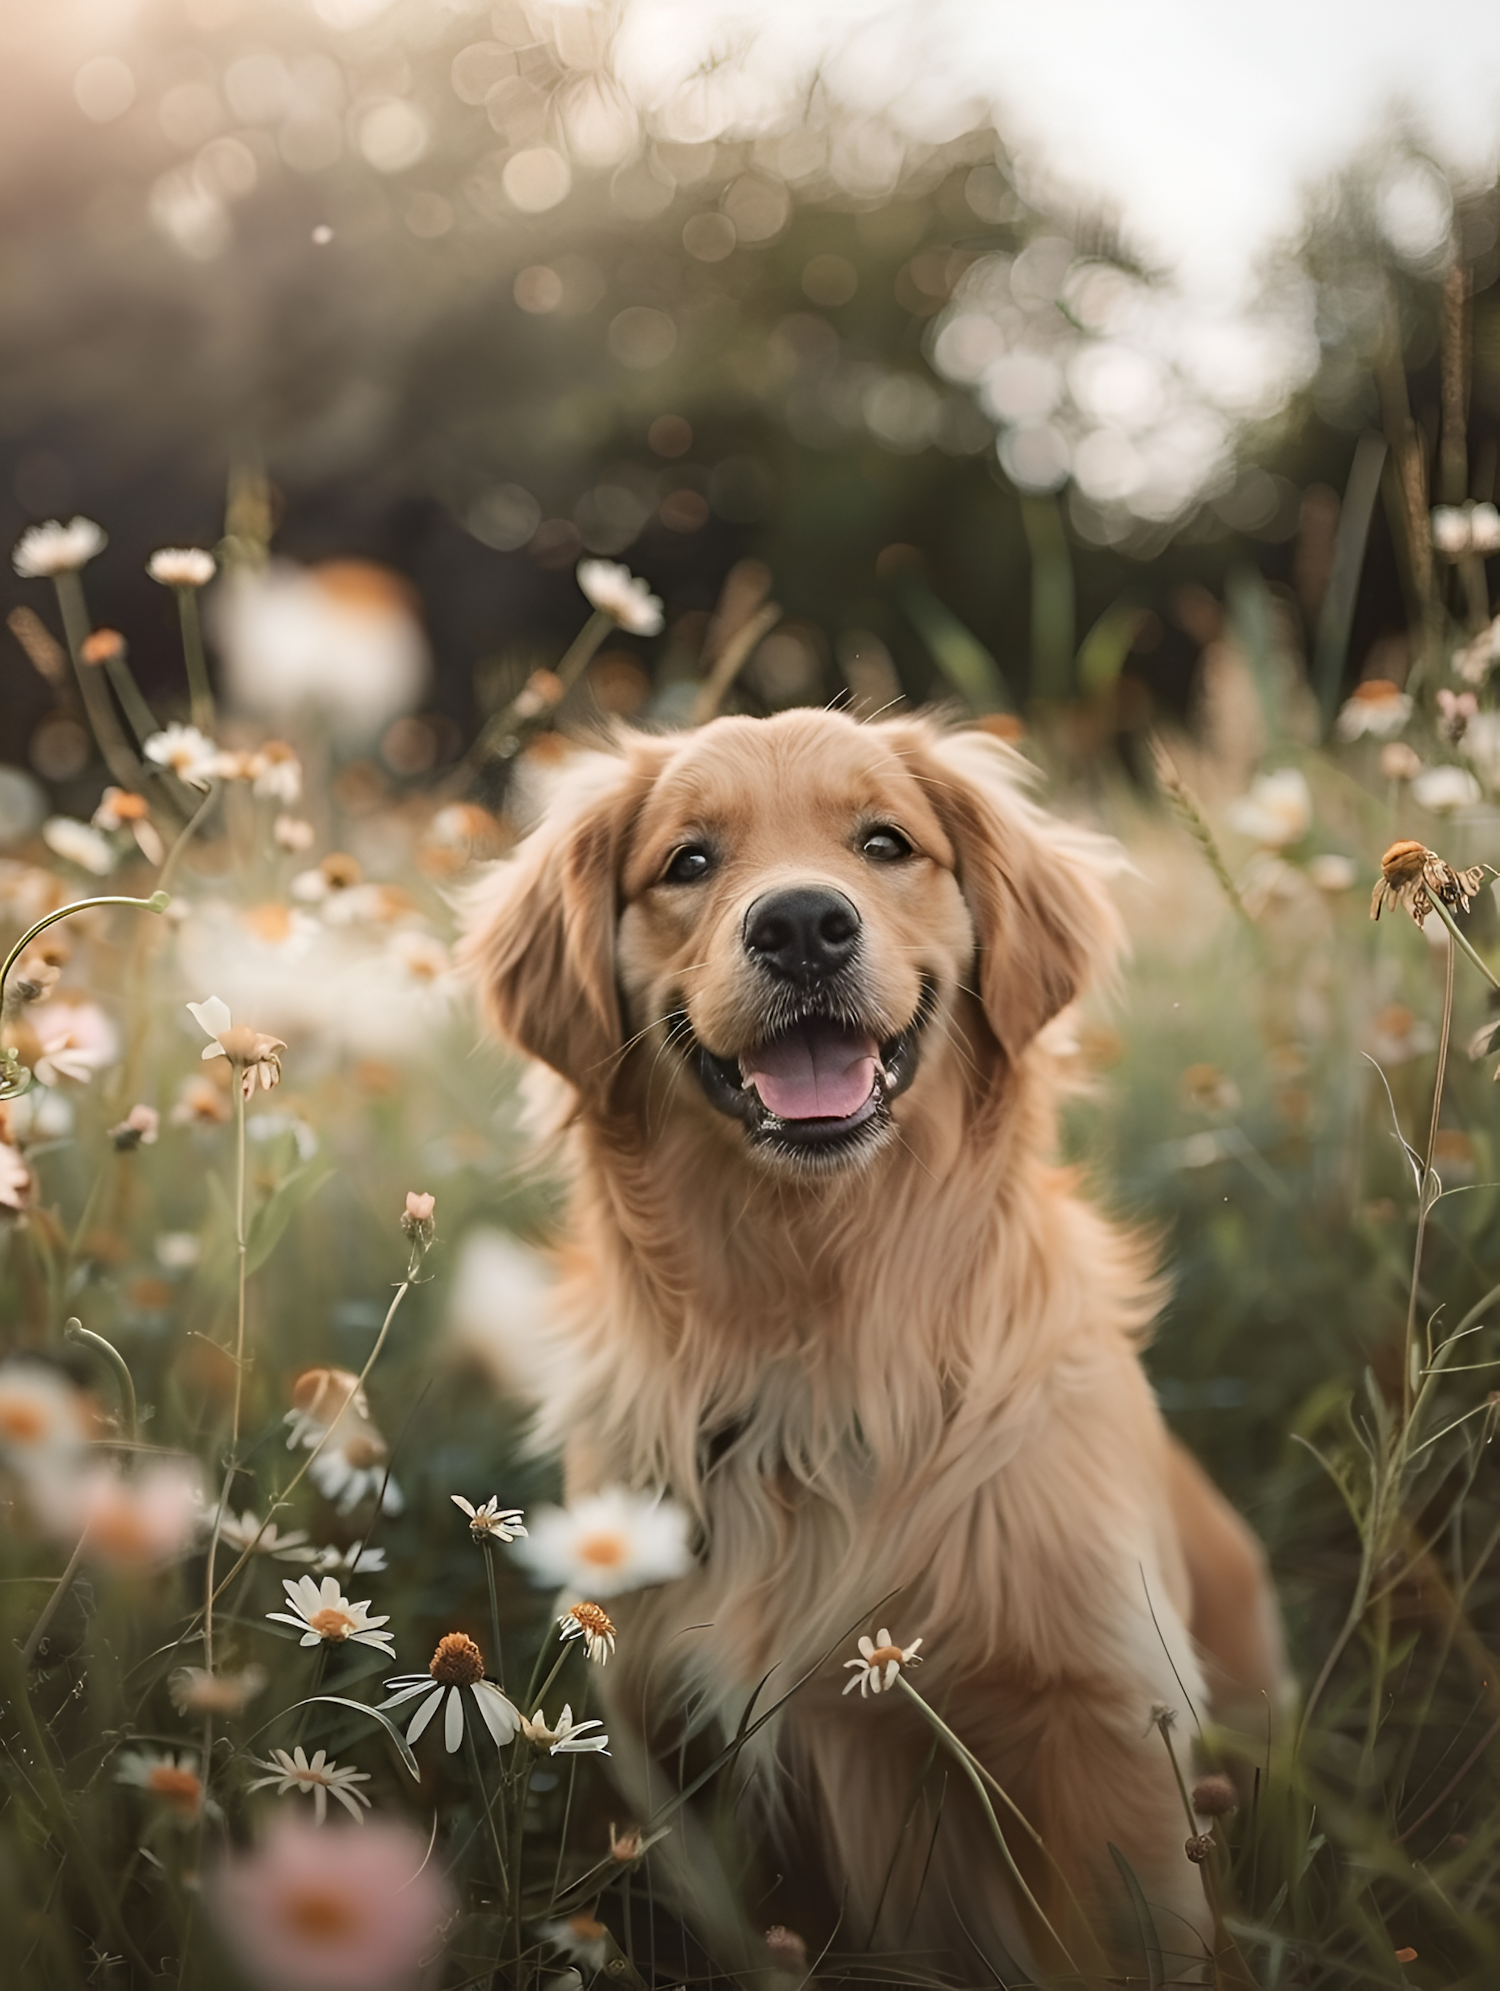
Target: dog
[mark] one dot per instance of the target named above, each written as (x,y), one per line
(825,1284)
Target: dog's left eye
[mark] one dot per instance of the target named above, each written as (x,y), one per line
(884,845)
(688,865)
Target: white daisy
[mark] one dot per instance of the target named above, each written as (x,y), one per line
(608,1542)
(77,1039)
(880,1663)
(173,1780)
(569,1738)
(1377,709)
(593,1626)
(355,1462)
(278,772)
(492,1520)
(1443,789)
(614,589)
(54,548)
(181,567)
(44,1420)
(355,1561)
(244,1531)
(80,844)
(458,1664)
(1277,811)
(194,1690)
(185,752)
(324,1612)
(318,1778)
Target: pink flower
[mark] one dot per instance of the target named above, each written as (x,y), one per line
(333,1909)
(419,1208)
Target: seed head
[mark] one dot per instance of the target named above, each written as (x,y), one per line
(1214,1795)
(458,1662)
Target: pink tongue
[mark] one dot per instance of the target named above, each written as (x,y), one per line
(818,1071)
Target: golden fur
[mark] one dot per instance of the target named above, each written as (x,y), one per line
(911,1377)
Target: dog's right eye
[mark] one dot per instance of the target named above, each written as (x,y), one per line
(688,865)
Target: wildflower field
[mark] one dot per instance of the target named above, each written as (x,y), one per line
(299,1648)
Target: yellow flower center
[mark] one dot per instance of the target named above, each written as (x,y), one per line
(592,1619)
(587,1929)
(179,1788)
(21,1422)
(606,1549)
(363,1453)
(458,1662)
(884,1654)
(331,1622)
(319,1915)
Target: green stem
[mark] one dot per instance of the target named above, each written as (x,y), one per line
(49,1609)
(157,903)
(120,761)
(970,1768)
(199,689)
(489,1570)
(174,856)
(1424,1198)
(139,714)
(75,1330)
(507,725)
(1452,925)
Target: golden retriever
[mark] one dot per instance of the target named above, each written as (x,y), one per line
(826,1284)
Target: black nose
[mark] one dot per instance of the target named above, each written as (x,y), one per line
(803,934)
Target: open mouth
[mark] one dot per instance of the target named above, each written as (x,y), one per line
(820,1083)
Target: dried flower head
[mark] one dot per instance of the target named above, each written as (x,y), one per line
(628,1846)
(788,1949)
(569,1738)
(456,1669)
(1413,876)
(1214,1796)
(593,1625)
(1199,1846)
(46,550)
(181,567)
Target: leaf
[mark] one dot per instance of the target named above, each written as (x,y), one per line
(363,1707)
(273,1216)
(1150,1941)
(955,649)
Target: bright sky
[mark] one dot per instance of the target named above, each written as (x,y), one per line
(1201,120)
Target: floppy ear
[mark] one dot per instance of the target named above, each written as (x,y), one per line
(1046,927)
(541,927)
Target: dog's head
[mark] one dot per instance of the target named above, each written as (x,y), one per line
(799,915)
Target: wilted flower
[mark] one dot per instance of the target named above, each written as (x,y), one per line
(580,1937)
(569,1738)
(332,1910)
(1278,809)
(185,752)
(194,1690)
(593,1626)
(44,1420)
(879,1664)
(1199,1846)
(608,1542)
(1455,710)
(139,1129)
(628,1846)
(1214,1796)
(491,1521)
(31,980)
(614,589)
(1413,876)
(457,1666)
(252,1053)
(173,1780)
(323,1612)
(318,1778)
(54,548)
(77,1039)
(1399,762)
(80,844)
(181,567)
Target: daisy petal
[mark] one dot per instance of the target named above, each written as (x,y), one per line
(425,1713)
(499,1717)
(453,1720)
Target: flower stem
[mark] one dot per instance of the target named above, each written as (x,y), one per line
(1424,1195)
(199,689)
(49,1609)
(489,1570)
(120,761)
(971,1770)
(75,1330)
(157,903)
(1454,930)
